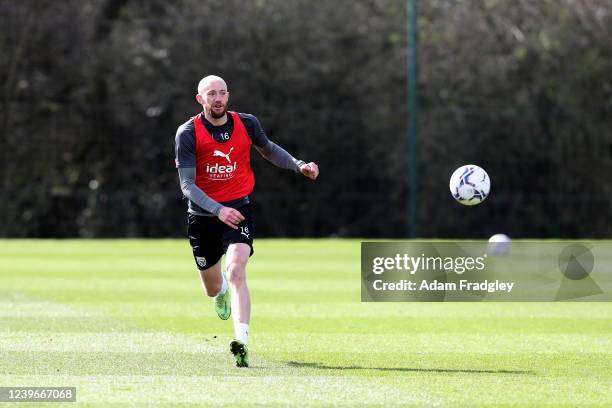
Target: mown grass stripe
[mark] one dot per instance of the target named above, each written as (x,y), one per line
(191,284)
(589,312)
(283,389)
(119,342)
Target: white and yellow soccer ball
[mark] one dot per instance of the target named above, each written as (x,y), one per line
(470,184)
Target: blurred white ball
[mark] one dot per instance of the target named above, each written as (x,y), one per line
(499,244)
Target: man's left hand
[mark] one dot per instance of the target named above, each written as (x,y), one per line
(310,170)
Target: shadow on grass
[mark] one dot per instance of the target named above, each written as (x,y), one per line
(404,369)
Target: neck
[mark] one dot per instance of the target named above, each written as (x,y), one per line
(216,121)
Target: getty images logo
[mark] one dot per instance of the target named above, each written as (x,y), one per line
(217,171)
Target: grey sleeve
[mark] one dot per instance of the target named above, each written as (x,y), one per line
(185,145)
(279,156)
(187,177)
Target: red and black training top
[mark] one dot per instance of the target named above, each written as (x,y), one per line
(186,151)
(223,167)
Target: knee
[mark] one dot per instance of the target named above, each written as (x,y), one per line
(236,274)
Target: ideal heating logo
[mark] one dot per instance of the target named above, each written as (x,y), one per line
(220,171)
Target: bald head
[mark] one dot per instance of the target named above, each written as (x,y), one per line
(213,96)
(211,81)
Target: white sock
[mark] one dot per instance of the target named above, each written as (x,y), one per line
(224,285)
(242,332)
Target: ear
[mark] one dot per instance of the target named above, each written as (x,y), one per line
(200,99)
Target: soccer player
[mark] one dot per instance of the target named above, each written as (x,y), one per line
(213,159)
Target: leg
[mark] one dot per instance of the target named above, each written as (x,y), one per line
(211,279)
(238,244)
(214,286)
(206,243)
(236,258)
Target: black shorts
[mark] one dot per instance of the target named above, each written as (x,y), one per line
(209,237)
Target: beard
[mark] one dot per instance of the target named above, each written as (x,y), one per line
(216,115)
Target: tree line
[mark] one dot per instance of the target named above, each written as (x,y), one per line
(93,91)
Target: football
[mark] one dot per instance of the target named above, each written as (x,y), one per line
(499,245)
(470,184)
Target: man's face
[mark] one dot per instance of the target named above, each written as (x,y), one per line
(213,97)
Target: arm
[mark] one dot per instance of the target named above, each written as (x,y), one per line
(186,163)
(187,177)
(279,157)
(273,152)
(185,160)
(227,215)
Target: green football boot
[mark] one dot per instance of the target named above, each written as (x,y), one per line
(240,352)
(223,305)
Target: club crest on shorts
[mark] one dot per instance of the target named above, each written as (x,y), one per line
(201,261)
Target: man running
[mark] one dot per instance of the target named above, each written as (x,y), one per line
(213,160)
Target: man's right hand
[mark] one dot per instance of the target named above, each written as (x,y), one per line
(230,216)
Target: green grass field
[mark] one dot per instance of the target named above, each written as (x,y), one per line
(127,323)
